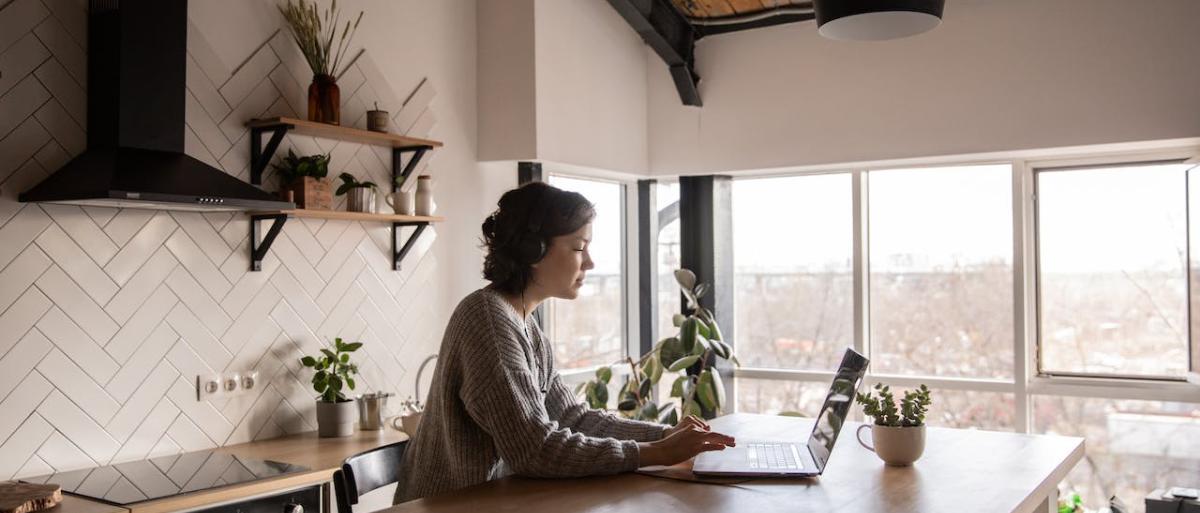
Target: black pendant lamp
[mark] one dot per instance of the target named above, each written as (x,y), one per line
(876,20)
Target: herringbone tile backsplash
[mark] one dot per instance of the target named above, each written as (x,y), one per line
(108,315)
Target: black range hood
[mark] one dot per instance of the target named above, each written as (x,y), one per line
(137,51)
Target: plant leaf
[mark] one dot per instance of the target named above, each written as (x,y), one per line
(687,334)
(644,390)
(351,347)
(329,354)
(672,350)
(704,390)
(604,374)
(677,386)
(653,369)
(677,319)
(692,409)
(684,363)
(308,361)
(627,405)
(601,394)
(686,279)
(791,414)
(350,382)
(718,389)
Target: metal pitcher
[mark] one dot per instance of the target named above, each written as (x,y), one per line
(370,410)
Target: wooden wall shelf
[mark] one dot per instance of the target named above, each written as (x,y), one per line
(258,249)
(261,155)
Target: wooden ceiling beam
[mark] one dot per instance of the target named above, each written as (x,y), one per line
(671,36)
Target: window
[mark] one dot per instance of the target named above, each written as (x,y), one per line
(1112,263)
(1132,447)
(669,298)
(793,281)
(941,271)
(590,330)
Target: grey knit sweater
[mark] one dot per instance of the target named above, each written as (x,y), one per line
(497,406)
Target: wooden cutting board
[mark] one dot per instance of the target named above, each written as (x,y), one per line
(27,497)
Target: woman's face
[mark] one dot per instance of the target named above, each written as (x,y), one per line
(560,273)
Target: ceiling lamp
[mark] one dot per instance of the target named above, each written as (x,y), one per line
(876,20)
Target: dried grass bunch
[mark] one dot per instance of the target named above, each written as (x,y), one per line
(314,34)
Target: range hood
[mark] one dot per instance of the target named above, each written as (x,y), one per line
(137,51)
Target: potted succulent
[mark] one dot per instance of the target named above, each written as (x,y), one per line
(314,35)
(898,433)
(693,351)
(361,194)
(304,178)
(335,412)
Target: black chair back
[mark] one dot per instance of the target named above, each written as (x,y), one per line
(367,471)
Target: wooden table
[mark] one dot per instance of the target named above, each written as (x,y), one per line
(321,455)
(961,470)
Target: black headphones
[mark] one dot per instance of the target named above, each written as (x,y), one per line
(529,247)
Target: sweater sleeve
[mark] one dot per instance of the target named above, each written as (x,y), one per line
(501,394)
(562,406)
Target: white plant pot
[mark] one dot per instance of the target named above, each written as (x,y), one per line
(336,419)
(360,199)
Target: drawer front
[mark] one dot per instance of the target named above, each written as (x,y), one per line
(308,500)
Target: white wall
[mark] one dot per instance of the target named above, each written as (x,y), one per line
(591,87)
(107,315)
(997,75)
(561,81)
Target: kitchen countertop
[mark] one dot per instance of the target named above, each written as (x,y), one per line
(321,455)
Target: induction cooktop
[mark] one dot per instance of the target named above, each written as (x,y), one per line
(136,481)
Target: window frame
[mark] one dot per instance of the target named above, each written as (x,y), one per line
(1027,380)
(628,252)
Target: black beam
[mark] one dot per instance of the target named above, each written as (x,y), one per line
(400,173)
(259,156)
(647,265)
(399,254)
(529,172)
(258,250)
(671,37)
(706,248)
(532,172)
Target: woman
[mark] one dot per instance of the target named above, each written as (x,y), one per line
(497,405)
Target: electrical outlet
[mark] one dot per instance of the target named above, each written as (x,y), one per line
(208,387)
(249,381)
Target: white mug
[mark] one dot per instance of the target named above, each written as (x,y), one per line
(402,202)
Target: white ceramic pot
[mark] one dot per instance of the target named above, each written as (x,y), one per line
(425,203)
(336,419)
(896,446)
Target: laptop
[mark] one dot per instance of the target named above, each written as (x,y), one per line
(793,459)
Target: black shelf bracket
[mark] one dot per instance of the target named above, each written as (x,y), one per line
(400,173)
(398,255)
(260,156)
(258,250)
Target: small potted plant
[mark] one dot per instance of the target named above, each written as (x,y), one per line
(304,177)
(335,412)
(361,194)
(898,433)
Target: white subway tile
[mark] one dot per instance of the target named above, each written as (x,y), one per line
(17,449)
(145,282)
(20,60)
(28,393)
(84,231)
(201,268)
(65,89)
(76,303)
(145,243)
(16,278)
(69,53)
(198,301)
(21,144)
(133,371)
(74,260)
(198,337)
(71,421)
(249,75)
(67,336)
(64,456)
(205,92)
(20,231)
(203,414)
(137,409)
(68,132)
(69,379)
(20,17)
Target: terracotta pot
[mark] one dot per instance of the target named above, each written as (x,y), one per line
(336,419)
(311,193)
(324,100)
(896,446)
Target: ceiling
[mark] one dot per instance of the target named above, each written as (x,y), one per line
(703,9)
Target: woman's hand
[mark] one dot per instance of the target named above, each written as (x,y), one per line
(681,444)
(687,423)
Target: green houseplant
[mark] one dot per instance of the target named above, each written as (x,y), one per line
(333,373)
(361,194)
(898,431)
(314,35)
(693,351)
(304,178)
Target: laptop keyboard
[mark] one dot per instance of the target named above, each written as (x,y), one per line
(772,456)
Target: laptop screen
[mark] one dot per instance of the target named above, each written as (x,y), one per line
(837,406)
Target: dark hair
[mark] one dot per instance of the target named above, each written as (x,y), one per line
(517,235)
